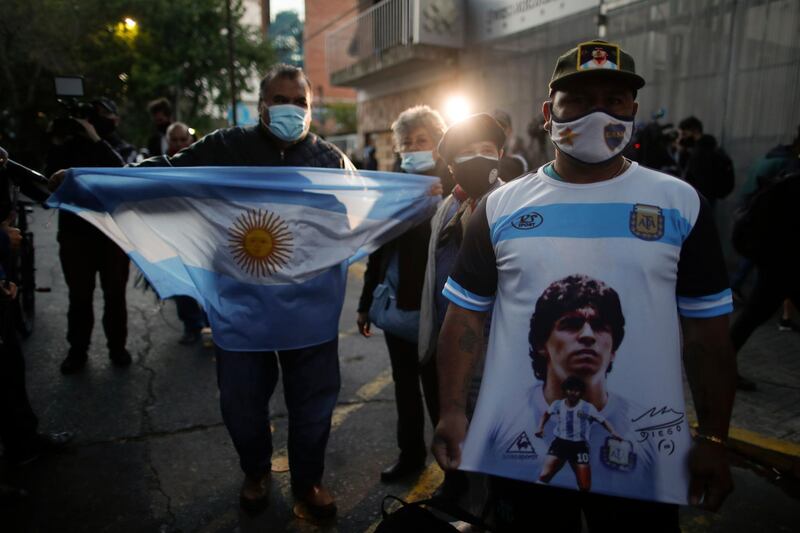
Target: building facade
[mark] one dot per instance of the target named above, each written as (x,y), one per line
(735,64)
(334,106)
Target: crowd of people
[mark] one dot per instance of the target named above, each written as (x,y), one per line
(503,313)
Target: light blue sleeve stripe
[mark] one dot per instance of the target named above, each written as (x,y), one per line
(710,312)
(463,298)
(722,295)
(715,304)
(592,221)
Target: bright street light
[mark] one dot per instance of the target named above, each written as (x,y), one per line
(456,108)
(127,29)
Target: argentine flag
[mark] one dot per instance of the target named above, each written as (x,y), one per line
(265,250)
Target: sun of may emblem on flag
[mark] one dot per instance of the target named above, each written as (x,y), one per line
(260,242)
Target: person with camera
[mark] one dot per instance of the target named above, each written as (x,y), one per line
(83,249)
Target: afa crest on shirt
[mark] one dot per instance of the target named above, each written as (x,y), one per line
(618,455)
(647,222)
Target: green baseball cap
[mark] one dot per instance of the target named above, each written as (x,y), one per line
(596,56)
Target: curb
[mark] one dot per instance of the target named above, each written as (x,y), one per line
(779,454)
(767,451)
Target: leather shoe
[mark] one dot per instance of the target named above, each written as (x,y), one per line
(400,469)
(74,362)
(120,357)
(254,495)
(318,500)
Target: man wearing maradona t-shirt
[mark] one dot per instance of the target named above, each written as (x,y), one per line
(595,215)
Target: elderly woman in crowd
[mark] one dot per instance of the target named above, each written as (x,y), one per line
(393,288)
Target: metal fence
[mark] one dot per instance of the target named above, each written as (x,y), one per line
(735,64)
(370,34)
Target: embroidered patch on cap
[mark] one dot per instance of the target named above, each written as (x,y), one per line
(593,56)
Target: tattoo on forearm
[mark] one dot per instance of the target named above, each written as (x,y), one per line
(469,340)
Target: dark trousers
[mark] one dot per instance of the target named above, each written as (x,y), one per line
(83,256)
(190,313)
(406,373)
(524,507)
(310,387)
(18,423)
(771,288)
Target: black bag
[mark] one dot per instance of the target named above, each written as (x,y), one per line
(415,517)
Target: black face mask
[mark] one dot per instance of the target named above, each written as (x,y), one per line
(105,126)
(476,175)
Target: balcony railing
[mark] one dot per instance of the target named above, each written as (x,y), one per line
(392,24)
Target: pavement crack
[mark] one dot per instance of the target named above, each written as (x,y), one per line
(147,406)
(144,352)
(171,518)
(144,437)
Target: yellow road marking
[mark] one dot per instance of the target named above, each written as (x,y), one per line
(752,438)
(369,390)
(431,477)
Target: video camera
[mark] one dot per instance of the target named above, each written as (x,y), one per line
(69,91)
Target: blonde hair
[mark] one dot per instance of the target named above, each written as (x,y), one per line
(419,116)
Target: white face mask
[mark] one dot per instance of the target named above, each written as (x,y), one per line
(593,138)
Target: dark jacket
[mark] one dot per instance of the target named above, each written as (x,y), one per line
(154,147)
(253,146)
(412,250)
(708,169)
(412,247)
(79,151)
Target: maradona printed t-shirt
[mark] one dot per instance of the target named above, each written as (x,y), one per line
(589,281)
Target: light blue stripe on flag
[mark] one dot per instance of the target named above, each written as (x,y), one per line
(264,250)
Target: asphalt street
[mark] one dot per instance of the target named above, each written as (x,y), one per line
(152,454)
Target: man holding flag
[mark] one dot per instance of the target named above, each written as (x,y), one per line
(266,251)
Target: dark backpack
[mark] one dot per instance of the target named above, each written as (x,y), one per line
(766,226)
